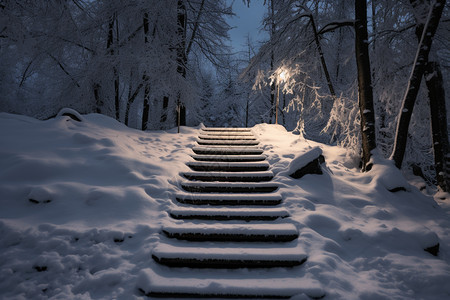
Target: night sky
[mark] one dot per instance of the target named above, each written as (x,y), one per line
(247,21)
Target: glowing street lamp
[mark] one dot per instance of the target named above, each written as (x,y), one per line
(281,77)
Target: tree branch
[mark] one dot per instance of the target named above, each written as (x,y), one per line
(24,75)
(194,31)
(76,44)
(335,25)
(63,69)
(125,41)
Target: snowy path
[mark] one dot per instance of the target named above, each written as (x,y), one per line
(84,207)
(243,236)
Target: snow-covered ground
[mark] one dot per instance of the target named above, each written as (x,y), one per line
(82,204)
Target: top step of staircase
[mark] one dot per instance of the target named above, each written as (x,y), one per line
(226,137)
(227,133)
(221,142)
(226,129)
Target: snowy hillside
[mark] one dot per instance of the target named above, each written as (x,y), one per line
(82,204)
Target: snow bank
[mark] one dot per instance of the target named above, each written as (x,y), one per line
(364,242)
(82,205)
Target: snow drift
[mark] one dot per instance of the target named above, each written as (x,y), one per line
(82,203)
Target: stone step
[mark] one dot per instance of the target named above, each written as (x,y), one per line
(226,137)
(225,232)
(228,166)
(233,150)
(267,199)
(228,187)
(227,257)
(226,129)
(248,284)
(230,176)
(225,133)
(243,158)
(228,213)
(228,142)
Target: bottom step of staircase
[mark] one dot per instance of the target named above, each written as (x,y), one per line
(248,286)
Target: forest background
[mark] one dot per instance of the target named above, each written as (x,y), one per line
(143,61)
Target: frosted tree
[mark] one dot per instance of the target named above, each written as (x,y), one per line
(315,36)
(205,112)
(436,95)
(117,58)
(428,31)
(298,41)
(228,110)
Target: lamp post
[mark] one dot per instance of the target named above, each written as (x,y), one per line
(281,77)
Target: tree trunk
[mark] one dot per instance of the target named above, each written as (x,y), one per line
(282,110)
(146,104)
(365,93)
(116,93)
(322,58)
(131,100)
(164,109)
(98,101)
(438,111)
(110,50)
(181,58)
(249,57)
(246,112)
(182,120)
(320,51)
(272,63)
(127,113)
(116,76)
(436,94)
(415,79)
(194,30)
(128,105)
(339,43)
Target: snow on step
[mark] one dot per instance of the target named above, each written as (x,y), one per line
(228,257)
(233,150)
(243,158)
(248,232)
(225,134)
(229,199)
(226,129)
(228,166)
(228,213)
(229,176)
(227,142)
(246,131)
(227,137)
(229,187)
(252,284)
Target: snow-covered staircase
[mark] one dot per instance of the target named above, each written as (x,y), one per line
(228,217)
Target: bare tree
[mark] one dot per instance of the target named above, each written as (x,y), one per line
(365,93)
(430,27)
(436,94)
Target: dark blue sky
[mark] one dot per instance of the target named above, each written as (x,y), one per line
(247,21)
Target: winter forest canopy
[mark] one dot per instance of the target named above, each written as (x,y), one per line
(328,65)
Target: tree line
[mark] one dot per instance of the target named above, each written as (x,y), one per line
(371,76)
(138,61)
(357,71)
